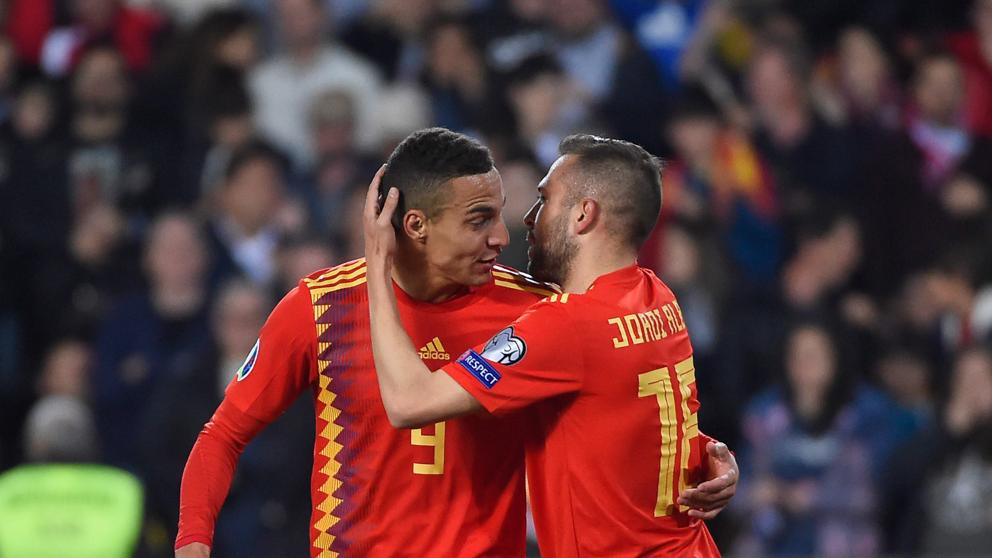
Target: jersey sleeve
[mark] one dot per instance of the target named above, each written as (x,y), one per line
(282,362)
(534,358)
(210,470)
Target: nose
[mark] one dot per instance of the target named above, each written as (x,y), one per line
(500,236)
(531,214)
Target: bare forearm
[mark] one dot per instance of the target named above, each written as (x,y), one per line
(403,378)
(411,394)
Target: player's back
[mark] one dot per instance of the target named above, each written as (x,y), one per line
(610,459)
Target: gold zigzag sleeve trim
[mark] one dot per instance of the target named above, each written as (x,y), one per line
(325,518)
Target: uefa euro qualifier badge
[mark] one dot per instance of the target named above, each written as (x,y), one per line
(249,362)
(505,348)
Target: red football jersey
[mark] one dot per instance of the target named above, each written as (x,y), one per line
(617,438)
(451,489)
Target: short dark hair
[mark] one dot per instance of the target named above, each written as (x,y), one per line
(252,151)
(423,163)
(629,181)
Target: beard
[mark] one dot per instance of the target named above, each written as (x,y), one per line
(552,255)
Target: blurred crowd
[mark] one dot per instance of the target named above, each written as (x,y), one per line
(170,168)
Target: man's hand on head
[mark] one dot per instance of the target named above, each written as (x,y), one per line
(380,237)
(711,497)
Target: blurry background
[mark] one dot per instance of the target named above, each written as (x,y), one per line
(170,168)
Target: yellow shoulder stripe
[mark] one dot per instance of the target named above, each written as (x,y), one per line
(522,279)
(339,286)
(523,287)
(338,269)
(335,279)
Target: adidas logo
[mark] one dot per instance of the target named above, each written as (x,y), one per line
(434,351)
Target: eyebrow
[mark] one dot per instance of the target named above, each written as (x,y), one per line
(482,208)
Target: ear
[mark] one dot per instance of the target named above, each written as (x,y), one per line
(415,225)
(586,215)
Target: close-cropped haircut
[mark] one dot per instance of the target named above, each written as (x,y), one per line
(625,179)
(423,163)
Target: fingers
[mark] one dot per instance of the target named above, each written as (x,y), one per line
(705,508)
(702,500)
(718,450)
(710,497)
(389,207)
(725,480)
(372,196)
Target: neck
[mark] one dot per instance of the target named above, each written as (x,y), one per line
(808,405)
(413,274)
(593,262)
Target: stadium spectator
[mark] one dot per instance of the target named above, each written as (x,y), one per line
(262,516)
(971,47)
(64,504)
(613,78)
(198,84)
(151,335)
(251,215)
(545,111)
(463,96)
(391,34)
(862,80)
(129,30)
(513,31)
(810,160)
(35,214)
(109,163)
(807,467)
(404,108)
(284,86)
(339,165)
(299,257)
(961,480)
(944,489)
(719,181)
(226,127)
(905,374)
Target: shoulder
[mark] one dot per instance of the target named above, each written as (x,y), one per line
(347,275)
(515,283)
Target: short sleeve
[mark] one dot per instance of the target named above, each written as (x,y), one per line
(534,358)
(281,364)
